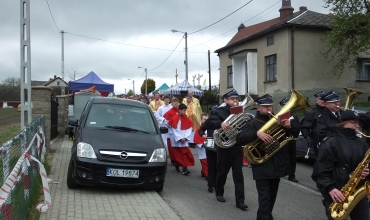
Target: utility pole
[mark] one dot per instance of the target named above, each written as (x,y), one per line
(25,42)
(209,69)
(176,76)
(133,86)
(146,82)
(62,32)
(186,55)
(198,78)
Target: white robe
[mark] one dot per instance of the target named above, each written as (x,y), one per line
(178,134)
(201,152)
(162,121)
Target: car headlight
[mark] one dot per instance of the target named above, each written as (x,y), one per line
(85,150)
(159,155)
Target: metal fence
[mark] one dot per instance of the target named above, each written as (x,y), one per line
(19,176)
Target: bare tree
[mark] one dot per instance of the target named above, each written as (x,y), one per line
(73,76)
(11,81)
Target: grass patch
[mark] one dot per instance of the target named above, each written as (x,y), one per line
(8,134)
(9,112)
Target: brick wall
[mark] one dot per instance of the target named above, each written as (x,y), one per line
(41,99)
(62,114)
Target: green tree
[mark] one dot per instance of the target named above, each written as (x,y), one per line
(151,86)
(210,99)
(11,81)
(349,34)
(130,92)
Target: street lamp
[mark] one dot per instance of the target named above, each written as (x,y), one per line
(186,51)
(146,80)
(133,86)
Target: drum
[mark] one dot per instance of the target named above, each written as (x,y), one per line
(209,144)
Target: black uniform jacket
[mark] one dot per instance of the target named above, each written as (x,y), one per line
(216,118)
(326,122)
(205,127)
(309,123)
(330,171)
(278,165)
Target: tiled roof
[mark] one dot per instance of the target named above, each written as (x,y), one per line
(38,83)
(311,18)
(10,93)
(306,18)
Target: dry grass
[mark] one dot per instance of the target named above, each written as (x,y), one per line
(10,120)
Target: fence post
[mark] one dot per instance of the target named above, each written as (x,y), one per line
(26,180)
(6,162)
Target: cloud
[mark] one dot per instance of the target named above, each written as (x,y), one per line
(123,24)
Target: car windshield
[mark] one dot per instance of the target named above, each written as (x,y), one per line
(115,116)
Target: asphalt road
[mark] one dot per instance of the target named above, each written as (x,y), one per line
(189,198)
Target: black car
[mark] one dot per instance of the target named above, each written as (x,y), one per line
(117,143)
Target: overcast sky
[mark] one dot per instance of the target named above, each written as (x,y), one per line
(132,34)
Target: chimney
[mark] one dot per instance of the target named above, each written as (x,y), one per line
(286,10)
(302,9)
(241,26)
(55,76)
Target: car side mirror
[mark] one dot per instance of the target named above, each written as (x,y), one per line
(163,130)
(73,122)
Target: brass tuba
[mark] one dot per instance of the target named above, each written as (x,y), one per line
(352,94)
(257,152)
(226,139)
(341,210)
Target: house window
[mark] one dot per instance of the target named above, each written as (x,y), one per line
(363,69)
(270,41)
(58,83)
(230,76)
(271,68)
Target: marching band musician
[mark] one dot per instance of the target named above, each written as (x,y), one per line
(331,116)
(267,175)
(231,157)
(339,155)
(309,122)
(291,147)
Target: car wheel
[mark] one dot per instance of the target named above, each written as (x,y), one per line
(159,189)
(71,183)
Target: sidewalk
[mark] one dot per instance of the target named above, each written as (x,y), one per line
(98,202)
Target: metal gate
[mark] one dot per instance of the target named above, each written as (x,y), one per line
(54,118)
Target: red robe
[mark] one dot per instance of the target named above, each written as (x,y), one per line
(168,115)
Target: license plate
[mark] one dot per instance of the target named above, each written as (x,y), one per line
(122,173)
(209,143)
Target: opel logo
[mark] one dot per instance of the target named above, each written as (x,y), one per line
(123,155)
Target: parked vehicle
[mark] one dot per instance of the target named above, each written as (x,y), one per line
(117,143)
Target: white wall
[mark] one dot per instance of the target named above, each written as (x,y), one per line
(240,70)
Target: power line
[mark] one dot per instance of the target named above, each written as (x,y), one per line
(221,18)
(52,15)
(238,25)
(116,42)
(168,56)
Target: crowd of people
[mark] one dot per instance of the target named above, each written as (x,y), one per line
(330,131)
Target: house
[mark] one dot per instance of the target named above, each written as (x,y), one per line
(285,53)
(11,95)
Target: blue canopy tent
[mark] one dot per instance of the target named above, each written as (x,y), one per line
(90,80)
(185,86)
